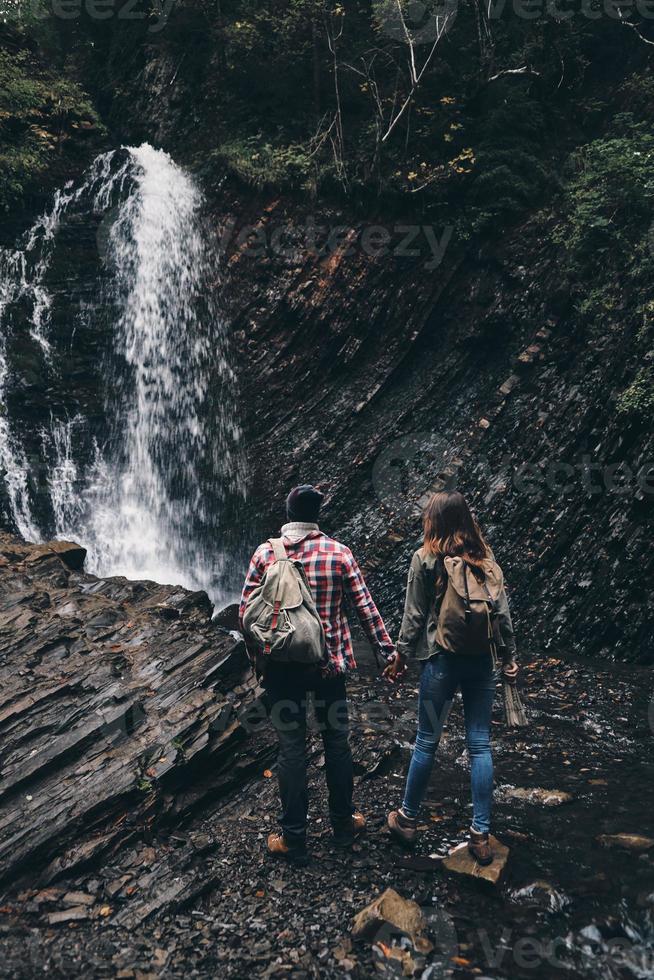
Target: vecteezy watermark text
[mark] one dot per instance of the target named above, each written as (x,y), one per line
(412,22)
(412,463)
(156,13)
(294,242)
(421,22)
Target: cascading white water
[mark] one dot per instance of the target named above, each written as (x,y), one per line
(12,459)
(147,503)
(22,273)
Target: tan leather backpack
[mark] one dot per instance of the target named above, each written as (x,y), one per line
(467,620)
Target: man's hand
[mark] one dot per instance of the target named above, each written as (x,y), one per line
(395,670)
(510,670)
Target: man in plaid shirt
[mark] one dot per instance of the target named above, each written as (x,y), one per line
(333,574)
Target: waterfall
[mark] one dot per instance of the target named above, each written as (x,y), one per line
(148,478)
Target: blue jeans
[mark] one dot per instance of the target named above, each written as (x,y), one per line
(441,676)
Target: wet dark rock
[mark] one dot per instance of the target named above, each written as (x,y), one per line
(540,894)
(73,555)
(627,842)
(391,909)
(228,617)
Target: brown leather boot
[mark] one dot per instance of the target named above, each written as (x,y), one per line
(358,823)
(479,847)
(278,846)
(346,837)
(403,828)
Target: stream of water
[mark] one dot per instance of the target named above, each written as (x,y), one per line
(119,422)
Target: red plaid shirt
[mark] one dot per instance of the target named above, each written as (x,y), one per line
(332,573)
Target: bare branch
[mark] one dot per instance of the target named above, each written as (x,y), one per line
(409,41)
(525,70)
(627,23)
(416,77)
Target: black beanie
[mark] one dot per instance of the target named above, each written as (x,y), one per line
(303,504)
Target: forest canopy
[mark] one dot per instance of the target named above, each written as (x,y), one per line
(456,100)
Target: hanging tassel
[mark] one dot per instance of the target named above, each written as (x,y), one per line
(514,710)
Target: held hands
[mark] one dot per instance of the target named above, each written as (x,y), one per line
(395,670)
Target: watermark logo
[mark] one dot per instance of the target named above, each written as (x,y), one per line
(420,461)
(599,955)
(414,22)
(294,242)
(155,13)
(409,464)
(421,22)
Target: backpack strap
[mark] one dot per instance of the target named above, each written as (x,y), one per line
(278,548)
(280,553)
(466,603)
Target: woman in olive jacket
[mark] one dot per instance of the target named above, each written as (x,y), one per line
(452,540)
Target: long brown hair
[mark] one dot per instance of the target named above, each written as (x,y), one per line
(451,531)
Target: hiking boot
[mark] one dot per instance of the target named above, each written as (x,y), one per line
(279,847)
(403,828)
(346,837)
(479,847)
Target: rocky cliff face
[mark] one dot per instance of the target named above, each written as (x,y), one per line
(381,376)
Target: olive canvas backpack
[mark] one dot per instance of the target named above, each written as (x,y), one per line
(280,618)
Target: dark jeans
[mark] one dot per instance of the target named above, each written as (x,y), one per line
(288,687)
(441,676)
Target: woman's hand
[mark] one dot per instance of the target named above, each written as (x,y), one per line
(395,670)
(510,670)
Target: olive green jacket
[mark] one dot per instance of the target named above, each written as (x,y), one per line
(418,630)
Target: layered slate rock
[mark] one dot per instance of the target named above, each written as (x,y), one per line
(121,703)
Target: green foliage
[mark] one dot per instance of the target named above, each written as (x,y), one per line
(513,159)
(637,400)
(262,164)
(39,112)
(606,245)
(611,200)
(318,94)
(607,237)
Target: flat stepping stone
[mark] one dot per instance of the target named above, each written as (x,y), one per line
(536,794)
(461,862)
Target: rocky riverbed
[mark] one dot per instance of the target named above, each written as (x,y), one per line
(136,849)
